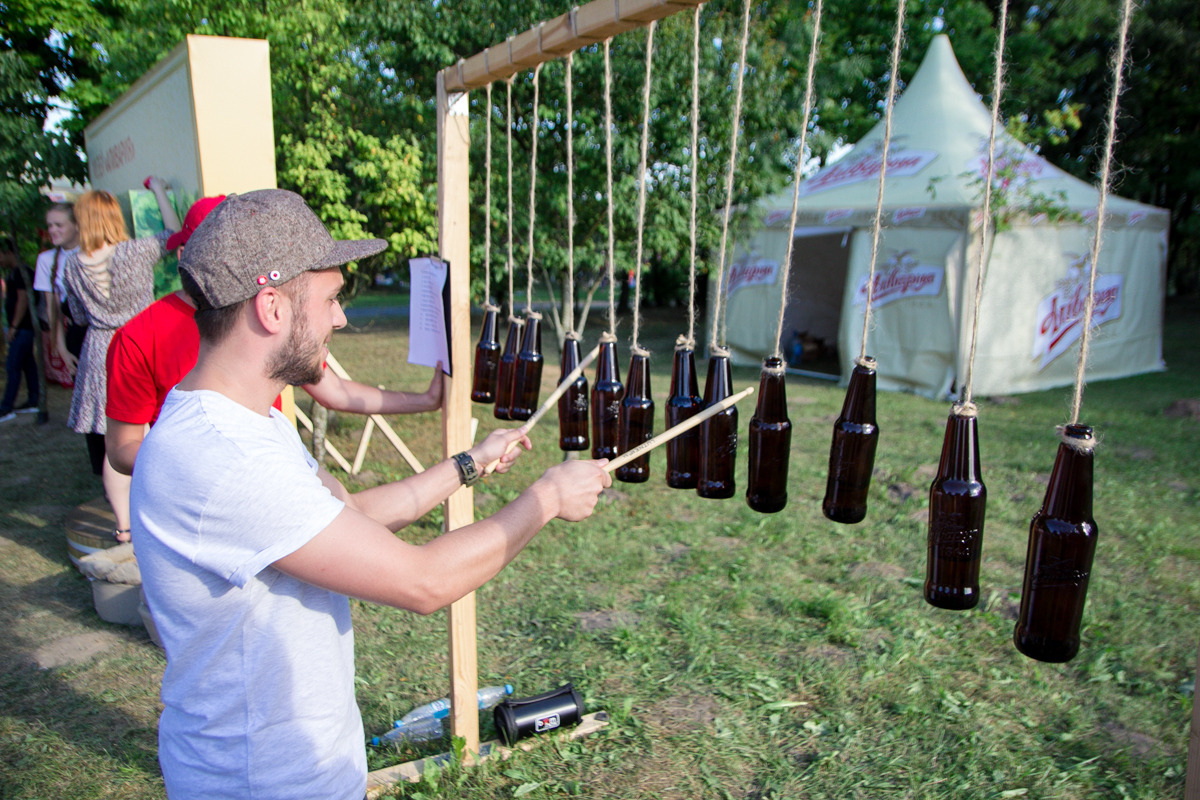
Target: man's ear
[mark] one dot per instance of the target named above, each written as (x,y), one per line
(271,309)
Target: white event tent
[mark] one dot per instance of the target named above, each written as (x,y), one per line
(922,309)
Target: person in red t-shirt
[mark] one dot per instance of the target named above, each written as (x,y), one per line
(155,349)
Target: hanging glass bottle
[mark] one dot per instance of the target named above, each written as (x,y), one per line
(1058,564)
(508,370)
(573,405)
(852,451)
(684,402)
(770,442)
(637,417)
(487,359)
(527,381)
(957,501)
(607,393)
(718,433)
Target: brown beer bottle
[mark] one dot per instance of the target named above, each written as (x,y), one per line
(487,359)
(957,501)
(637,417)
(607,393)
(573,405)
(684,402)
(1058,564)
(770,439)
(852,451)
(508,370)
(718,433)
(527,382)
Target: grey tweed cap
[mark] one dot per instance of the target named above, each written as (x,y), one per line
(259,239)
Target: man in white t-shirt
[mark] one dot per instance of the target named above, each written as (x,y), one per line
(248,550)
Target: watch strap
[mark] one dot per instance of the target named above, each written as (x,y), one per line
(468,473)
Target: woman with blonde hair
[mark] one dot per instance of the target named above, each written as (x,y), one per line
(109,280)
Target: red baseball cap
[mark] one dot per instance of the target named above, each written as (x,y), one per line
(195,216)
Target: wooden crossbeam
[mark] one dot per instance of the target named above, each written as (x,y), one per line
(554,38)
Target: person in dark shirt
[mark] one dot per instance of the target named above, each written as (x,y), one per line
(19,336)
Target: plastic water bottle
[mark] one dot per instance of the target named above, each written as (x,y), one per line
(419,730)
(487,697)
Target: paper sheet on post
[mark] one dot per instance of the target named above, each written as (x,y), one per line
(428,312)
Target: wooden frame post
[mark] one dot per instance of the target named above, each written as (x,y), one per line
(454,240)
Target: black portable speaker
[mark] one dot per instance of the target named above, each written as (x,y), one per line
(516,719)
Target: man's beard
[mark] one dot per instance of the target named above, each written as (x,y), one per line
(298,361)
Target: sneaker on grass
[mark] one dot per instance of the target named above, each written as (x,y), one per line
(5,416)
(28,407)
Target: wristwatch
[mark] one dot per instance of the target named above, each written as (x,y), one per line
(468,473)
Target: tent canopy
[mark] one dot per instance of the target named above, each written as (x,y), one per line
(929,253)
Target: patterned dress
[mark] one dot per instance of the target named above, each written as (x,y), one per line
(107,294)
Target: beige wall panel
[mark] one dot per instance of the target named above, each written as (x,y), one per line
(149,130)
(231,90)
(200,118)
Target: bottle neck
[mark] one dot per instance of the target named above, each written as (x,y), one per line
(513,343)
(859,405)
(1069,493)
(570,355)
(637,382)
(960,449)
(487,334)
(606,366)
(683,374)
(720,380)
(532,343)
(772,392)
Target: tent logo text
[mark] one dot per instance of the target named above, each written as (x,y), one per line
(751,272)
(901,276)
(1060,314)
(867,167)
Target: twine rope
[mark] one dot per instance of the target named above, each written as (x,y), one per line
(997,89)
(641,210)
(569,295)
(791,239)
(718,326)
(508,122)
(608,164)
(487,203)
(690,341)
(897,42)
(533,147)
(1105,185)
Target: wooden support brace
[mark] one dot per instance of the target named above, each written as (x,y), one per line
(411,771)
(384,427)
(588,24)
(329,448)
(362,446)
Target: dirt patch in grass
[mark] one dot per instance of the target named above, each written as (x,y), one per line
(676,551)
(1139,744)
(925,473)
(877,569)
(76,649)
(900,492)
(606,620)
(685,713)
(921,515)
(1178,486)
(725,542)
(611,495)
(1188,408)
(829,654)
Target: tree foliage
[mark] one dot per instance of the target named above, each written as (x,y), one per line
(354,88)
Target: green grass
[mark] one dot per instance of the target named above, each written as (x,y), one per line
(740,655)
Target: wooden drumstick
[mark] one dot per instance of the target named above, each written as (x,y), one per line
(558,392)
(671,433)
